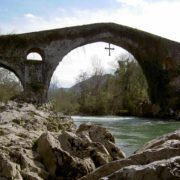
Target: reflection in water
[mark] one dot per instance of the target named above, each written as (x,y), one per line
(131,132)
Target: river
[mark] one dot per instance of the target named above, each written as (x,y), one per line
(131,132)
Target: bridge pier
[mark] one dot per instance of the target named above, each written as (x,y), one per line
(36,77)
(35,93)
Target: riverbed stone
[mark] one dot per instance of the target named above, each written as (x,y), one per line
(101,135)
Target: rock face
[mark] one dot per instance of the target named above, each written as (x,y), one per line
(35,144)
(159,159)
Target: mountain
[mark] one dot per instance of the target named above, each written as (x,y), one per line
(92,82)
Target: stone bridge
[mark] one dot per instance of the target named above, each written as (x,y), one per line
(158,57)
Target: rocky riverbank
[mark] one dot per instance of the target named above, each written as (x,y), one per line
(159,159)
(36,144)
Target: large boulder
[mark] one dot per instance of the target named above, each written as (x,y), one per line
(77,154)
(100,135)
(60,163)
(165,141)
(159,154)
(158,170)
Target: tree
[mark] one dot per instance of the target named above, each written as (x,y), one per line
(90,99)
(131,83)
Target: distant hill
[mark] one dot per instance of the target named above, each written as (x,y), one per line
(91,82)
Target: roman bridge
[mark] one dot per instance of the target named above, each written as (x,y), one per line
(158,57)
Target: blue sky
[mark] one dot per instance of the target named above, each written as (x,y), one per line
(159,17)
(12,8)
(156,16)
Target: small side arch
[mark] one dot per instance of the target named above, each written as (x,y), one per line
(35,54)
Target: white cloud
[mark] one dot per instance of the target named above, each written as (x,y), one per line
(31,17)
(132,2)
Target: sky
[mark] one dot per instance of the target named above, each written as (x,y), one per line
(160,17)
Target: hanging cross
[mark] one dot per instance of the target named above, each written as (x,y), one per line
(109,48)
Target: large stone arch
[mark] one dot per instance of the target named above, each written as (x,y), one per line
(149,50)
(92,42)
(158,57)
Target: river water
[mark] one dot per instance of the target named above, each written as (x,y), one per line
(131,132)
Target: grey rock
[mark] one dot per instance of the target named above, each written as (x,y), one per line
(45,145)
(59,162)
(21,124)
(158,170)
(101,135)
(31,176)
(170,139)
(9,169)
(163,148)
